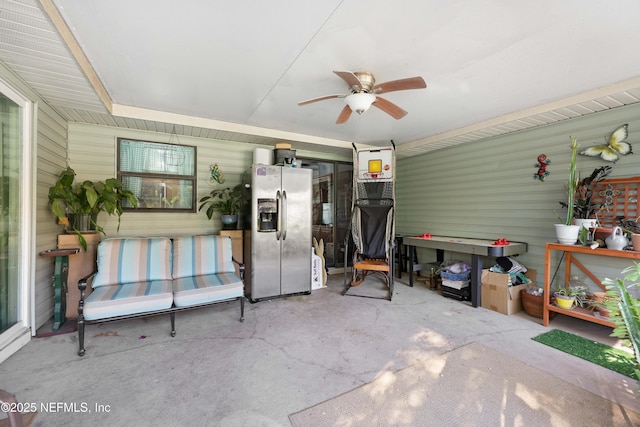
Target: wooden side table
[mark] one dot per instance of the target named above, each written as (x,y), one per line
(80,265)
(60,274)
(236,245)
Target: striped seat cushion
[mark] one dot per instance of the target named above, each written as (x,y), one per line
(132,298)
(201,255)
(190,291)
(131,260)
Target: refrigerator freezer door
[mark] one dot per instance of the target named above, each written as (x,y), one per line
(265,248)
(296,245)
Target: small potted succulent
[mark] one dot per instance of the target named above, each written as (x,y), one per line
(567,296)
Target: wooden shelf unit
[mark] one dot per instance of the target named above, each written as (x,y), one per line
(570,261)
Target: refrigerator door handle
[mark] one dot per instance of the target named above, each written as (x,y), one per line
(279,215)
(284,215)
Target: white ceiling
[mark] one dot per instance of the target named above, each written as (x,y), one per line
(237,69)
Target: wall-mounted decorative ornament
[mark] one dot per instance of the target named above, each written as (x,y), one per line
(216,175)
(615,147)
(542,164)
(609,193)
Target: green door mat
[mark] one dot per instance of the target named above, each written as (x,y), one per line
(615,359)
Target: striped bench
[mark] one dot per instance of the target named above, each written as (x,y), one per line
(138,277)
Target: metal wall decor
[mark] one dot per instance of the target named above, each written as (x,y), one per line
(615,146)
(216,174)
(542,171)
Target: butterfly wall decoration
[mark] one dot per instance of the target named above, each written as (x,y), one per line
(616,146)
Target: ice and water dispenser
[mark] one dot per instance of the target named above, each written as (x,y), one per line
(267,215)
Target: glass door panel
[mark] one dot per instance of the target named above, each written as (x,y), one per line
(323,215)
(344,194)
(10,172)
(332,189)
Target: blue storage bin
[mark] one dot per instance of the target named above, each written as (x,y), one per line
(459,277)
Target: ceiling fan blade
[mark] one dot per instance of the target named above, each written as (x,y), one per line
(321,98)
(344,115)
(402,84)
(350,78)
(390,108)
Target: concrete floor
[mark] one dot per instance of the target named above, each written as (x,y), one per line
(289,354)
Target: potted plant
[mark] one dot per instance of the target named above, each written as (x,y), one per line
(625,310)
(601,302)
(567,233)
(227,201)
(533,300)
(77,205)
(631,227)
(567,296)
(584,210)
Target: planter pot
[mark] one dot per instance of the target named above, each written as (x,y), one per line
(599,299)
(635,241)
(82,223)
(567,234)
(587,228)
(564,301)
(229,222)
(586,223)
(532,304)
(601,233)
(599,296)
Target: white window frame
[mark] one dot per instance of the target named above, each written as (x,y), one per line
(20,334)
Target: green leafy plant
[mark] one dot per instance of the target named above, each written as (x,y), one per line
(572,183)
(579,293)
(227,201)
(567,291)
(582,206)
(625,310)
(600,300)
(88,198)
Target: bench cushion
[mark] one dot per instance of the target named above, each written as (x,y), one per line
(201,255)
(132,298)
(131,260)
(190,291)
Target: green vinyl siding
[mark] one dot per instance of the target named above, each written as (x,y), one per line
(486,189)
(92,154)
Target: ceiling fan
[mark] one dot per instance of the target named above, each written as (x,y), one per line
(364,93)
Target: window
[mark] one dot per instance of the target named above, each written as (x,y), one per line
(162,176)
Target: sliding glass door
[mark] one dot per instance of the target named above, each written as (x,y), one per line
(10,207)
(332,189)
(14,219)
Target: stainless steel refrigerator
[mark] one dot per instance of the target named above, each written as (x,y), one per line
(281,216)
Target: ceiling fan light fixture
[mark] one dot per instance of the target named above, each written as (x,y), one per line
(360,102)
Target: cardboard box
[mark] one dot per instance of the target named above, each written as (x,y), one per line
(499,295)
